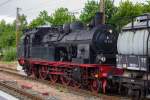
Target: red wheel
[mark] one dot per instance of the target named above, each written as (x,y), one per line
(35,73)
(43,72)
(53,78)
(95,86)
(76,85)
(65,80)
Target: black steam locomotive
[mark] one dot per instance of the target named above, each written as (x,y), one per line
(72,42)
(82,55)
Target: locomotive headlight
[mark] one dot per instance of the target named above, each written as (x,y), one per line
(124,65)
(103,59)
(100,58)
(110,31)
(96,75)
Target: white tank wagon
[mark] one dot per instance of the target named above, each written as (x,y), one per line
(132,45)
(133,42)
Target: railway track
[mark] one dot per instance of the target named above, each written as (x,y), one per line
(19,93)
(80,92)
(12,88)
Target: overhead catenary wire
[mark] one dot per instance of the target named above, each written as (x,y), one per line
(4,3)
(26,10)
(76,11)
(30,10)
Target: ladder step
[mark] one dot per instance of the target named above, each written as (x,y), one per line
(148,96)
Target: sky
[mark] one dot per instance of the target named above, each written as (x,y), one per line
(31,8)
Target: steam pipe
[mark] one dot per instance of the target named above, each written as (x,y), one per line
(147,72)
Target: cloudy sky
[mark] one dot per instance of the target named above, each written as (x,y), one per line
(31,8)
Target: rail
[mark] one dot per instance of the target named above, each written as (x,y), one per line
(20,91)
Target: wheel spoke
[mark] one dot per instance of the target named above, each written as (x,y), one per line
(95,86)
(76,85)
(65,80)
(43,72)
(35,73)
(53,78)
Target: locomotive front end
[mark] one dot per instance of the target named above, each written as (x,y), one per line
(104,43)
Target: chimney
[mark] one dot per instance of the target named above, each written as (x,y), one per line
(102,10)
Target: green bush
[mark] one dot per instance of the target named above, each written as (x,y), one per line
(9,54)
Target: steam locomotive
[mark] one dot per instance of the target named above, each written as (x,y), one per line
(73,54)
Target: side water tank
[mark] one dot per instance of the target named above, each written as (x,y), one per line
(130,42)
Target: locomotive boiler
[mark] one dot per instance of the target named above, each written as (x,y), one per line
(83,56)
(133,47)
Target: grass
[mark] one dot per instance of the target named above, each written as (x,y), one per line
(8,62)
(61,89)
(9,54)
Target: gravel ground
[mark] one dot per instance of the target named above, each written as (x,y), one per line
(55,93)
(12,65)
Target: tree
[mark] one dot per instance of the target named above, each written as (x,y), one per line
(146,7)
(2,26)
(23,22)
(110,10)
(124,13)
(42,19)
(61,16)
(91,7)
(7,32)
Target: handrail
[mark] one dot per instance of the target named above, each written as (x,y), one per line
(147,72)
